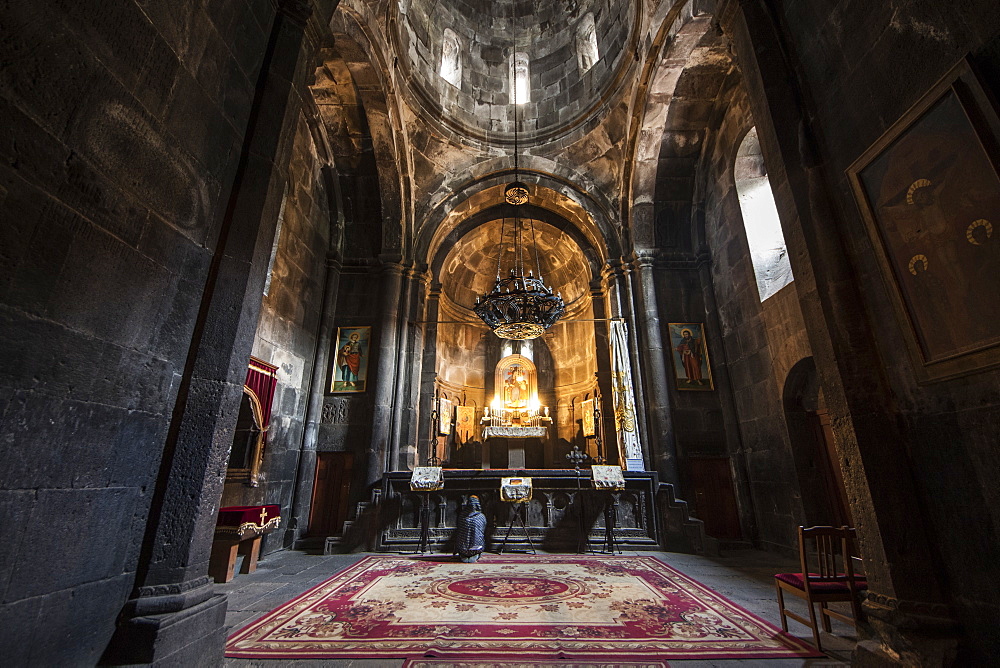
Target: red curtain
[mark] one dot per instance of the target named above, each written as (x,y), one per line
(262,380)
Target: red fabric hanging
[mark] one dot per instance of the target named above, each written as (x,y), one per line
(262,380)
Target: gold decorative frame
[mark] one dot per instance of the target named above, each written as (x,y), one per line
(504,366)
(251,475)
(929,194)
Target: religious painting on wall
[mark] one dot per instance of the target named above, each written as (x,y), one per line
(465,422)
(350,360)
(444,415)
(515,382)
(690,355)
(587,417)
(929,192)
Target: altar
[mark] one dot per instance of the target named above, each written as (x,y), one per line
(515,416)
(525,418)
(560,497)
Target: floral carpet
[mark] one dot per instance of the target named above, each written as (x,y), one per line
(528,607)
(518,663)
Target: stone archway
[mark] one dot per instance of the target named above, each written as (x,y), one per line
(464,266)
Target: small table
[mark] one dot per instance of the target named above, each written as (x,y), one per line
(238,530)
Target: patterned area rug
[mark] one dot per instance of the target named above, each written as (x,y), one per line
(437,663)
(524,607)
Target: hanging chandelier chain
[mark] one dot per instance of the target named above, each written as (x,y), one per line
(520,306)
(534,244)
(513,60)
(503,223)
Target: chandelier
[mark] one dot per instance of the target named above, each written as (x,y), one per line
(519,306)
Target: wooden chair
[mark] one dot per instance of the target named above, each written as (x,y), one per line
(826,557)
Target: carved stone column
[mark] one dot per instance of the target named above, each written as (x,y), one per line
(403,370)
(428,370)
(301,504)
(385,375)
(655,363)
(410,430)
(602,338)
(621,305)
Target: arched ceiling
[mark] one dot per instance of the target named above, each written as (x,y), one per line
(591,139)
(470,266)
(564,87)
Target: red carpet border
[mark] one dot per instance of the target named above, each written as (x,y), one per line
(434,663)
(542,607)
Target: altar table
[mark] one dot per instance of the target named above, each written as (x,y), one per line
(239,530)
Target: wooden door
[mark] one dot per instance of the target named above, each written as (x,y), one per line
(331,493)
(714,496)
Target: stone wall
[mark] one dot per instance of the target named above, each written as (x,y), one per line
(346,422)
(122,125)
(949,428)
(752,345)
(288,327)
(762,340)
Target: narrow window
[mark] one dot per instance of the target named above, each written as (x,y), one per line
(451,61)
(586,43)
(520,78)
(274,245)
(760,219)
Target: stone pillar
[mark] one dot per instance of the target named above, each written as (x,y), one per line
(621,305)
(661,433)
(403,370)
(628,302)
(428,371)
(409,452)
(174,616)
(385,375)
(602,339)
(302,500)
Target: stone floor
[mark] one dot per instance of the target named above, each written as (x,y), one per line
(744,577)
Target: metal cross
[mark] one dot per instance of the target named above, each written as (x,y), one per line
(576,457)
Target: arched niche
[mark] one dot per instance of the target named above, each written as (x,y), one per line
(466,352)
(811,438)
(515,380)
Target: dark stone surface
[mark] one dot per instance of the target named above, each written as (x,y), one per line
(815,129)
(136,221)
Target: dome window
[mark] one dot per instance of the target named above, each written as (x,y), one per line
(586,43)
(520,78)
(760,219)
(451,60)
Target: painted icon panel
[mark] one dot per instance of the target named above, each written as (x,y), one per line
(929,192)
(350,360)
(690,356)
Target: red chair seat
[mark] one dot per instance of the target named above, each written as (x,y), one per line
(824,585)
